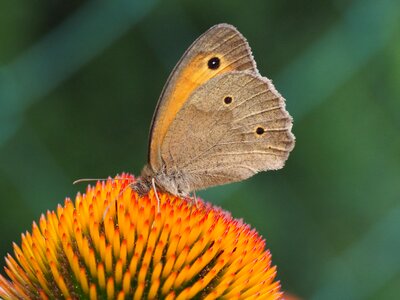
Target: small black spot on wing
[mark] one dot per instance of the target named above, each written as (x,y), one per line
(260,130)
(228,100)
(214,63)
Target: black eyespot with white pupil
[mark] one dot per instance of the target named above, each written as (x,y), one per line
(260,130)
(214,63)
(228,100)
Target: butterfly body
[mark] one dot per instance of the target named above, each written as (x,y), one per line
(217,121)
(174,182)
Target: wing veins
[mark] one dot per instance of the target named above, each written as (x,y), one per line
(267,130)
(232,62)
(245,152)
(252,97)
(258,113)
(258,123)
(251,142)
(224,41)
(197,171)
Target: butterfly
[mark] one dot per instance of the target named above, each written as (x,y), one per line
(217,120)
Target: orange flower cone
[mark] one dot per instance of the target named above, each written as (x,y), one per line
(112,244)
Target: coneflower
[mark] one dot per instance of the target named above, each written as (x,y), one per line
(112,244)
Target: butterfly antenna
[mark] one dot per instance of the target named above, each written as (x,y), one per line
(195,199)
(97,179)
(88,179)
(153,183)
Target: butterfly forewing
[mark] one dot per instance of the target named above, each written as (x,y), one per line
(220,50)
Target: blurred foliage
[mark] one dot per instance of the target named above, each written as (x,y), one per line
(79,82)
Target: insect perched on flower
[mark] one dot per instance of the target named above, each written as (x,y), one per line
(217,121)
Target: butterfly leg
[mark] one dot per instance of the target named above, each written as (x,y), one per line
(153,183)
(195,199)
(192,200)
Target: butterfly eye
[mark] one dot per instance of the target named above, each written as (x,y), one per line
(228,100)
(260,130)
(213,63)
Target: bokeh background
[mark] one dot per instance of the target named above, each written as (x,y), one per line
(79,81)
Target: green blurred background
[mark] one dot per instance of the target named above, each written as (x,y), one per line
(79,82)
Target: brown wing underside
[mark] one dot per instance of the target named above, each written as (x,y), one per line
(214,141)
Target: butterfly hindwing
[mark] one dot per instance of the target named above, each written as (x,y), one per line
(230,128)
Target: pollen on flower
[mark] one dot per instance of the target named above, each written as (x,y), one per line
(111,244)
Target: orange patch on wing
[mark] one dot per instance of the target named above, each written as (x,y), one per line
(195,74)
